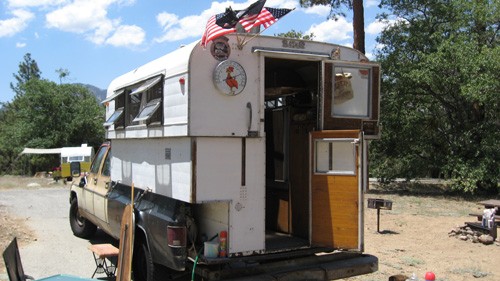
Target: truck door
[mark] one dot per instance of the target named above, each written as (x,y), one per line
(98,183)
(335,189)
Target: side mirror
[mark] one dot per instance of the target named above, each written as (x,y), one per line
(83,181)
(75,169)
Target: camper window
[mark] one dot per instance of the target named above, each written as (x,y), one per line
(335,156)
(148,111)
(351,91)
(145,103)
(114,118)
(114,96)
(75,159)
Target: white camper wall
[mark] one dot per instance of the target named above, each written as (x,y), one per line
(212,113)
(161,164)
(227,172)
(175,105)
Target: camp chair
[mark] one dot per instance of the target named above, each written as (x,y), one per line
(15,270)
(123,268)
(102,252)
(13,264)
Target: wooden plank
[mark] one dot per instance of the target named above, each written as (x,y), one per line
(124,267)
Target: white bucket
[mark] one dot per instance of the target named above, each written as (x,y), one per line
(211,249)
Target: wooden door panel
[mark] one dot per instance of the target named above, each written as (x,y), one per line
(335,201)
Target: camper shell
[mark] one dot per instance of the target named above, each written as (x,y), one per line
(264,138)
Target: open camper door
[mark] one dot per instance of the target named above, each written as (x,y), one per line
(335,189)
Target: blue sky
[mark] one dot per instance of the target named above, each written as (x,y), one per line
(97,40)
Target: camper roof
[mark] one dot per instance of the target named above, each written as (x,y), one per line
(173,63)
(76,151)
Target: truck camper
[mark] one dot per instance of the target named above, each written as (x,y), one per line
(248,158)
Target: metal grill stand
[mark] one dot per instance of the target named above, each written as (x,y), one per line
(379,204)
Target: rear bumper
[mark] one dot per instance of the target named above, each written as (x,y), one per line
(324,267)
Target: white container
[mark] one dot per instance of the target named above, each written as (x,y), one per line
(211,249)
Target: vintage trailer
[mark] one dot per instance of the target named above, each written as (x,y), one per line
(75,159)
(265,139)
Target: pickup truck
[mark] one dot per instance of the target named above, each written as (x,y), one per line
(96,201)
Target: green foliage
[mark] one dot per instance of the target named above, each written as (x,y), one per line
(47,115)
(28,69)
(441,93)
(296,35)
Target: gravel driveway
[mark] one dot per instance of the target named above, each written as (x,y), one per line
(55,249)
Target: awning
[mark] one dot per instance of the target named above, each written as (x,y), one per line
(41,151)
(147,85)
(113,96)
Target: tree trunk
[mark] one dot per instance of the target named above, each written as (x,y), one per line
(358,25)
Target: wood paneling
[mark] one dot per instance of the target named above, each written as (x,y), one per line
(335,204)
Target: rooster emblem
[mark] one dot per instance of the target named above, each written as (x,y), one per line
(230,80)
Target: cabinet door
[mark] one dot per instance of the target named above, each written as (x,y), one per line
(335,192)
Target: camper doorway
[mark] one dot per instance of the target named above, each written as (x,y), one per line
(291,113)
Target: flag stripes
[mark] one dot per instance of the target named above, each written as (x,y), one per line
(253,16)
(269,16)
(213,30)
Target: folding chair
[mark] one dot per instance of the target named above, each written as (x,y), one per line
(13,264)
(102,252)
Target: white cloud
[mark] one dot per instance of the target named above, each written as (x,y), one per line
(16,24)
(90,18)
(375,27)
(190,26)
(34,3)
(289,4)
(175,28)
(332,30)
(79,16)
(320,10)
(20,45)
(100,33)
(371,3)
(167,20)
(127,35)
(378,25)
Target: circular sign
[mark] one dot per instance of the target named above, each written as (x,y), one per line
(220,49)
(230,78)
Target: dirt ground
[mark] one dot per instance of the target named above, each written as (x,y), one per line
(10,225)
(413,235)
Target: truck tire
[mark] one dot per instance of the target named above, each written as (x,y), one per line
(80,226)
(142,263)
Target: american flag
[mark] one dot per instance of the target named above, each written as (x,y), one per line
(248,16)
(213,30)
(268,16)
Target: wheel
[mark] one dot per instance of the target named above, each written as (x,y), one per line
(80,226)
(142,263)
